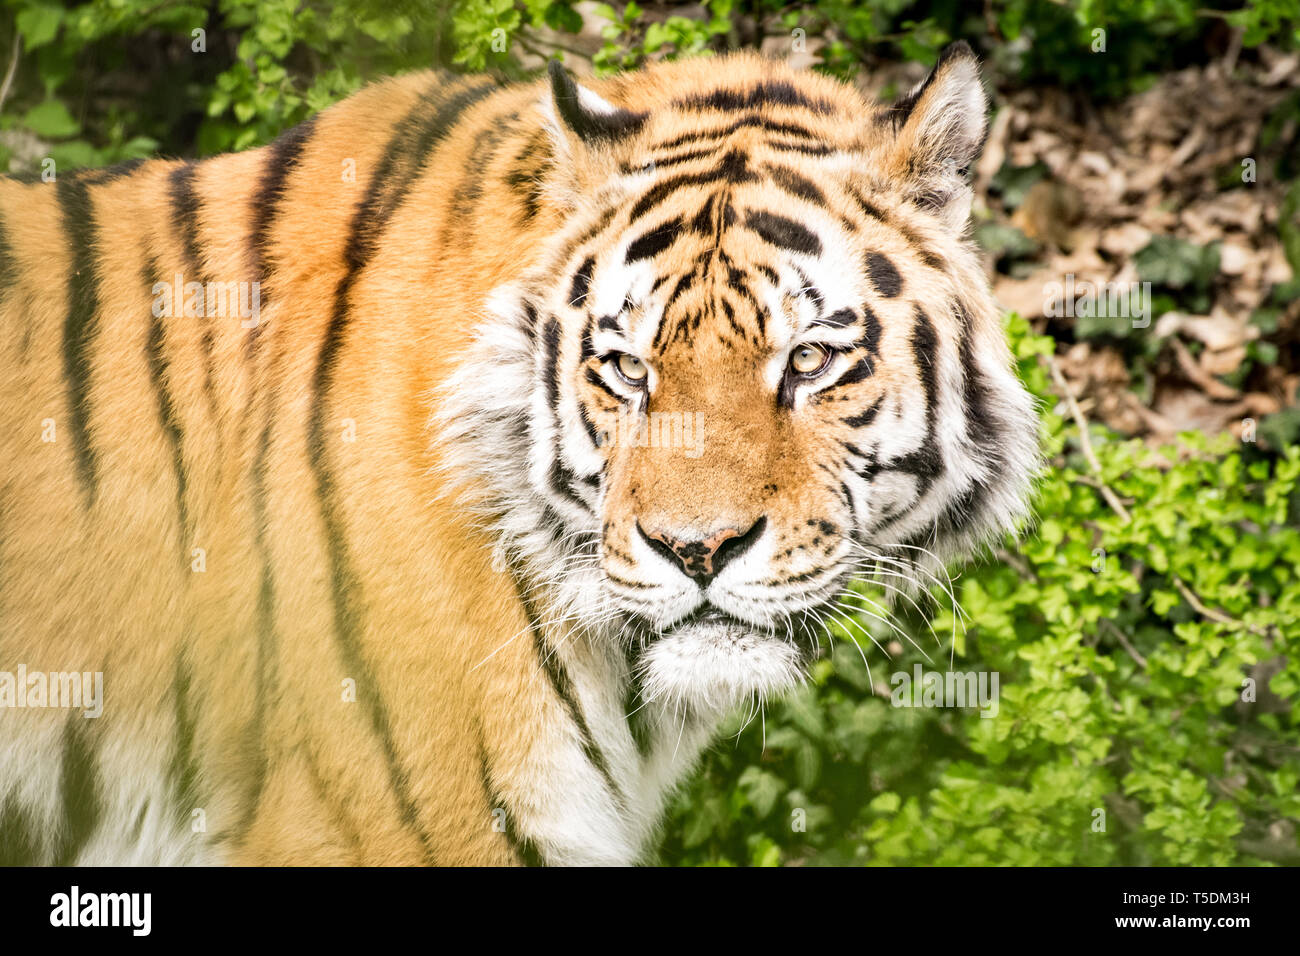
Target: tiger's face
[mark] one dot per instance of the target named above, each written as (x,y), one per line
(772,364)
(731,364)
(720,393)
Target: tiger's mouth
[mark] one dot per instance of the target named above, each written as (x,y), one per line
(707,620)
(711,660)
(709,617)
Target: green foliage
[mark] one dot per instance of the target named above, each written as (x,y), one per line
(629,40)
(1179,269)
(1118,694)
(1112,47)
(1005,242)
(490,33)
(106,80)
(1263,20)
(1181,275)
(188,77)
(1013,183)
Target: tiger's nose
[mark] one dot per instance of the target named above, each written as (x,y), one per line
(703,558)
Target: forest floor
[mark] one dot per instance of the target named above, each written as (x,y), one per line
(1177,186)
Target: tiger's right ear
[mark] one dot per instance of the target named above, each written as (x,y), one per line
(938,132)
(592,120)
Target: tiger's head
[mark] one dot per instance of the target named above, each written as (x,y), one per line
(759,357)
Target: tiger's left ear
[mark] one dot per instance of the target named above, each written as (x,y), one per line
(594,121)
(939,131)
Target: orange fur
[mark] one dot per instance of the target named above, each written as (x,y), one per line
(329,559)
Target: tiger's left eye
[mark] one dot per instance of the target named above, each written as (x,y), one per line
(810,359)
(632,369)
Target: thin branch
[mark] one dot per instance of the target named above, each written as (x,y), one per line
(1212,614)
(1016,562)
(536,49)
(1124,643)
(13,68)
(1085,442)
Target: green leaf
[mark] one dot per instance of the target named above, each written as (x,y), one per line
(887,803)
(1013,182)
(51,120)
(762,789)
(562,16)
(1177,263)
(1003,241)
(38,24)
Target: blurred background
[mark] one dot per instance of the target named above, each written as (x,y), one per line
(1144,626)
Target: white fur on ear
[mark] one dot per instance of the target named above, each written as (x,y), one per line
(952,117)
(594,103)
(940,128)
(585,114)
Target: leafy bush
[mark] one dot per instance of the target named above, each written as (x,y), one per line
(1110,47)
(187,77)
(106,80)
(1148,710)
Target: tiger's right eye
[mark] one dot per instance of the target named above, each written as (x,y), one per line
(810,359)
(632,368)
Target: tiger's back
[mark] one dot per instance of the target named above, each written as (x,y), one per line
(165,477)
(224,487)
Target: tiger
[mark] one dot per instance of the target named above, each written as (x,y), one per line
(430,485)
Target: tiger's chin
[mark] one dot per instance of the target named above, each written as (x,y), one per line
(717,664)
